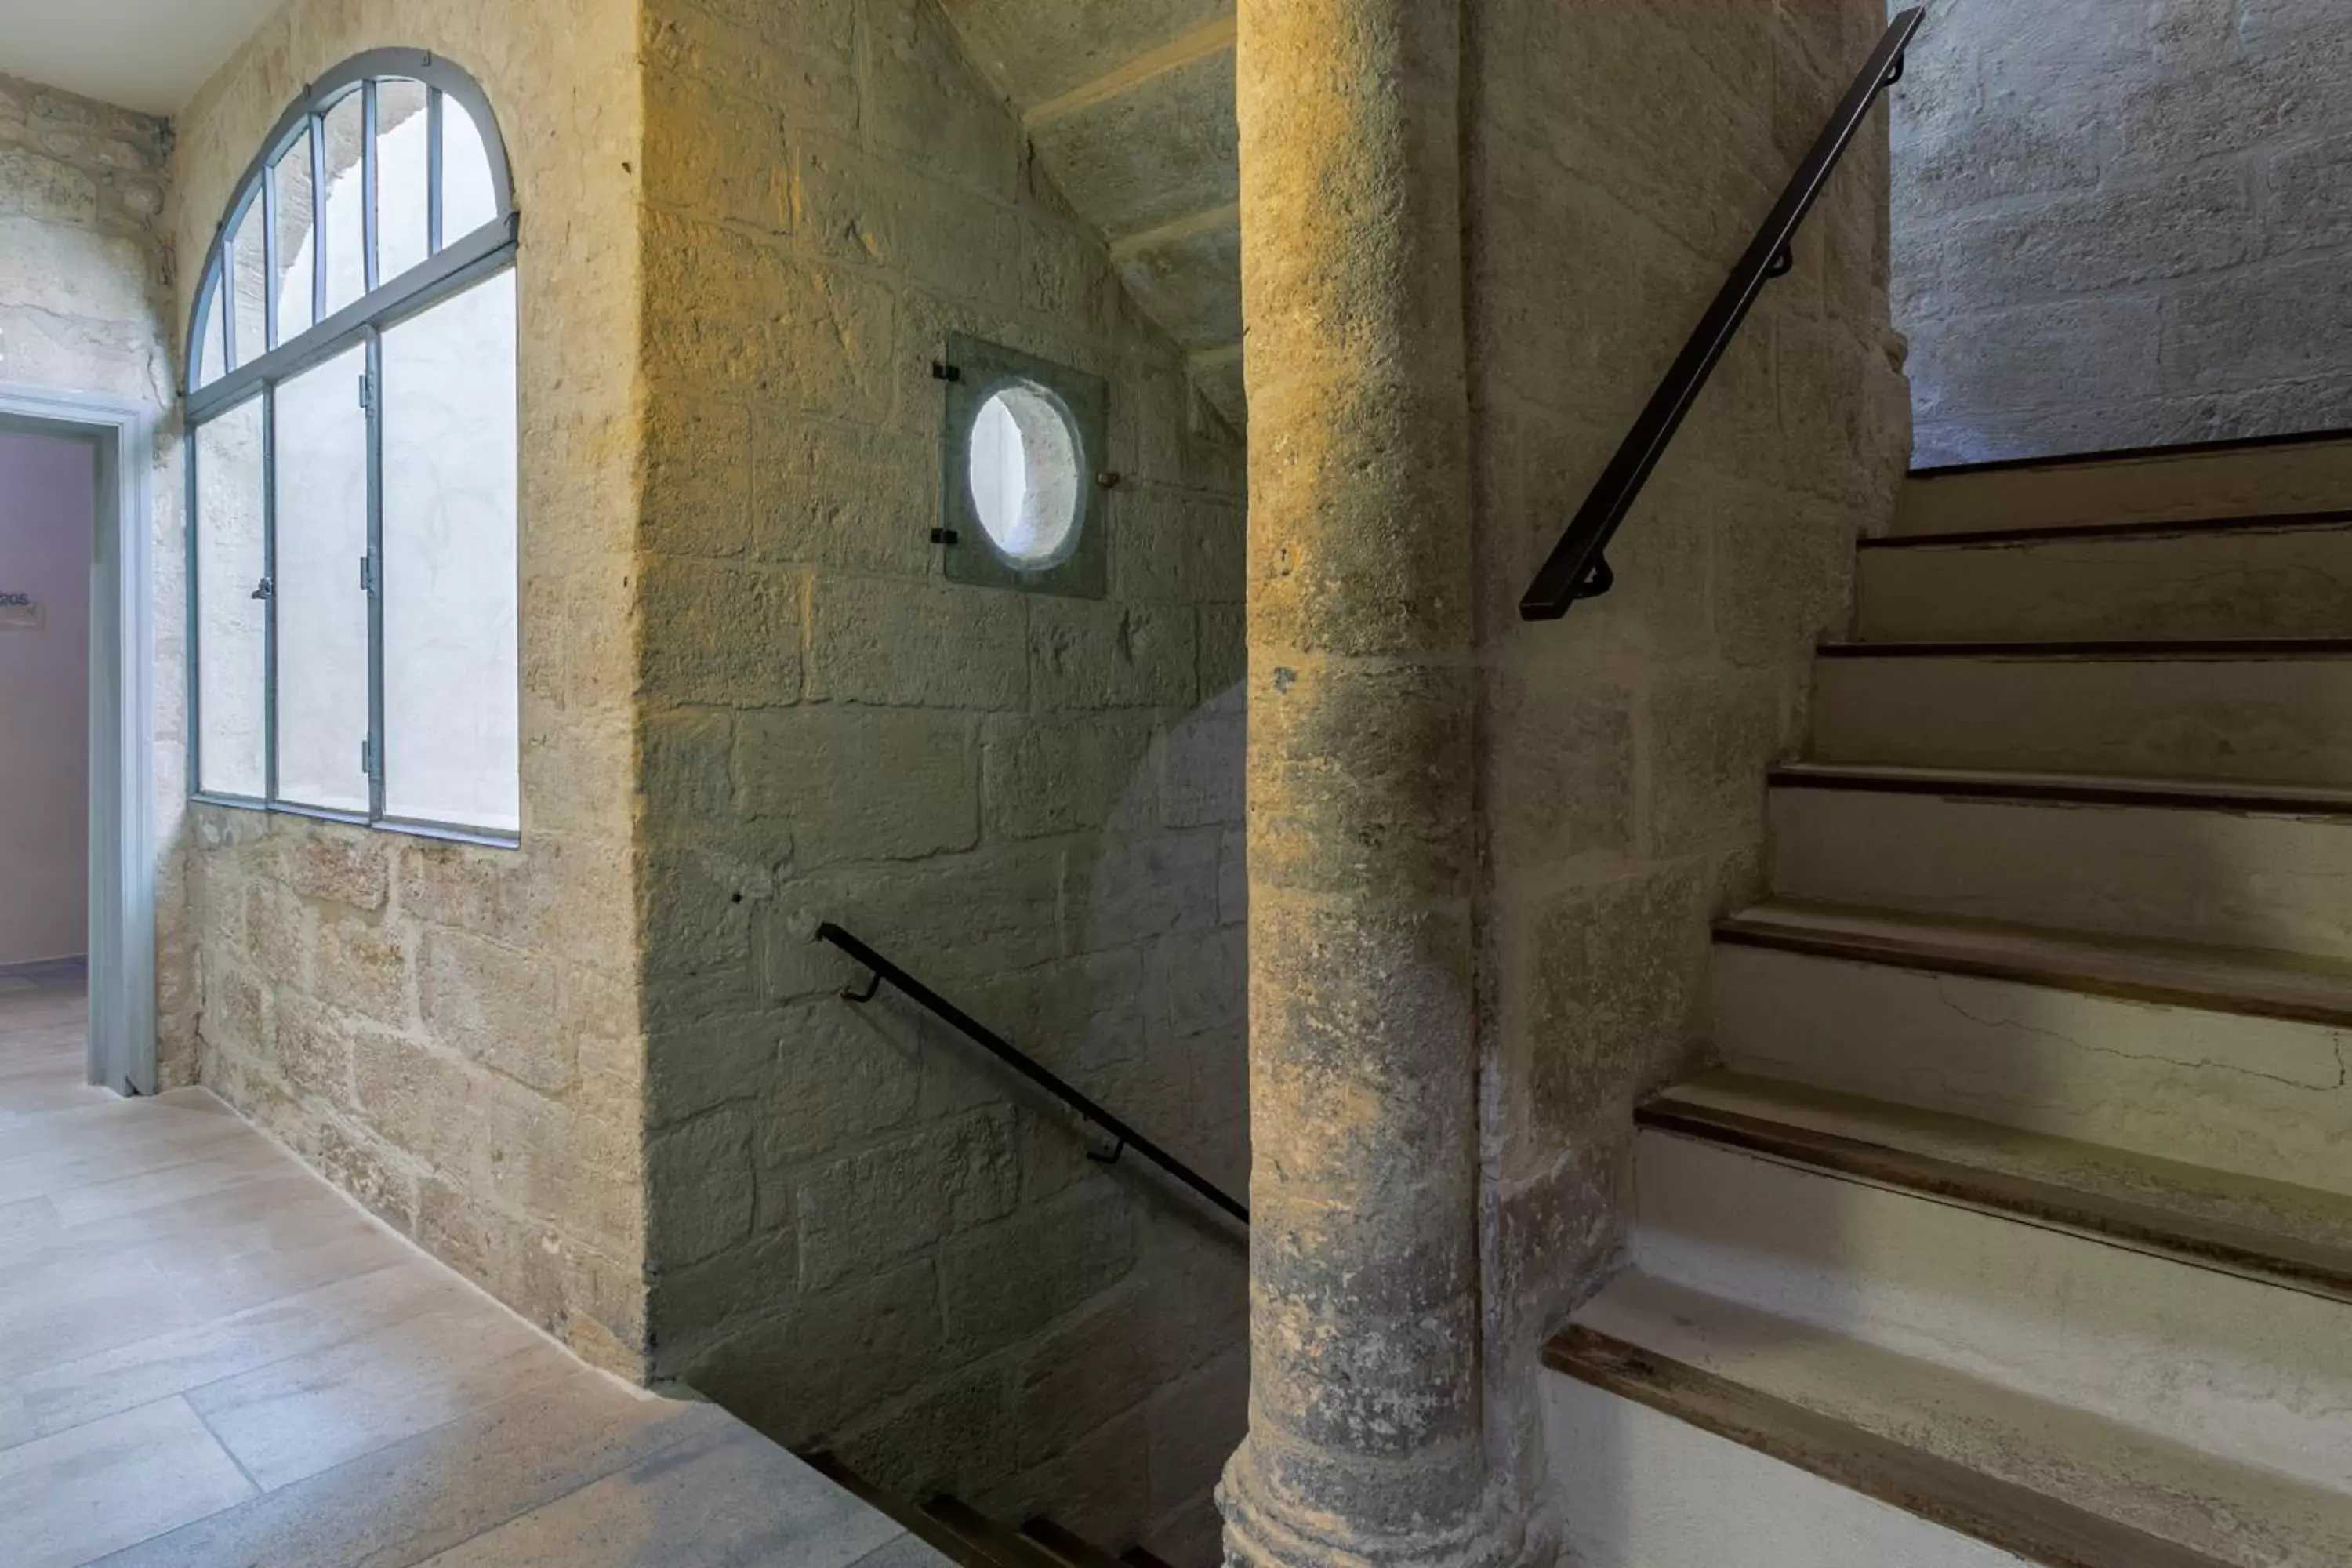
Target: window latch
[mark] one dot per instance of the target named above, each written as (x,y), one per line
(367,574)
(266,589)
(367,758)
(367,392)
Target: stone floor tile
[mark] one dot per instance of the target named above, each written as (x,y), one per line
(717,1500)
(82,1493)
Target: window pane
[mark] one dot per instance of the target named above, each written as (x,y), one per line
(450,674)
(323,614)
(346,205)
(468,200)
(230,622)
(248,280)
(403,155)
(296,253)
(210,348)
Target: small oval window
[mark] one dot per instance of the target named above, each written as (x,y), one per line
(1025,474)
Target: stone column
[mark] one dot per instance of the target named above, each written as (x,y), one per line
(1364,1444)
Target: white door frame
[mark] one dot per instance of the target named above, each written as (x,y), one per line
(121,730)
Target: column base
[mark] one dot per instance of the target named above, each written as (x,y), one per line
(1263,1531)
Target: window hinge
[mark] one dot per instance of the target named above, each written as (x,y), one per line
(367,392)
(367,574)
(367,758)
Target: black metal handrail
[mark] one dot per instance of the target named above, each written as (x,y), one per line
(1010,1056)
(1577,567)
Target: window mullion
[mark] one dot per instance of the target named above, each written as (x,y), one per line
(268,256)
(376,571)
(227,266)
(268,591)
(433,181)
(319,311)
(370,264)
(193,620)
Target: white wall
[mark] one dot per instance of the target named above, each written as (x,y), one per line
(47,503)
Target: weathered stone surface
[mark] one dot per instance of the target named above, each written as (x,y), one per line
(1006,1282)
(1162,150)
(1362,1051)
(1102,654)
(341,869)
(928,107)
(899,644)
(1137,888)
(728,635)
(2127,165)
(498,1004)
(917,791)
(1065,775)
(712,1155)
(903,1195)
(829,1358)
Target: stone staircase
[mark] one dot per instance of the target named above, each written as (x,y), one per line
(956,1533)
(2017,1226)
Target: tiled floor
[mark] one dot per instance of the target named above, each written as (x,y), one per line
(210,1357)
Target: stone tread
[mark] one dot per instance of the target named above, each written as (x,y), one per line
(2249,981)
(1065,1549)
(2302,473)
(924,1526)
(2296,1237)
(2038,1480)
(2097,532)
(989,1543)
(2071,789)
(2176,649)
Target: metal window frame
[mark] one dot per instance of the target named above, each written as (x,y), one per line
(449,269)
(974,370)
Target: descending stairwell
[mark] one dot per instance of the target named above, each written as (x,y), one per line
(958,1533)
(2018,1226)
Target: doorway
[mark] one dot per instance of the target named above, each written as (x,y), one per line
(77,850)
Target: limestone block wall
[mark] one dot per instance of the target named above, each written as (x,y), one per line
(1620,160)
(85,306)
(863,1235)
(2125,225)
(452,1033)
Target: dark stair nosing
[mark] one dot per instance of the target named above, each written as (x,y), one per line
(2095,650)
(2309,1267)
(921,1525)
(2004,538)
(997,1546)
(2071,789)
(1957,957)
(2222,446)
(2002,1514)
(1067,1547)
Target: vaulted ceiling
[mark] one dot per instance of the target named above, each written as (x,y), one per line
(148,55)
(1131,108)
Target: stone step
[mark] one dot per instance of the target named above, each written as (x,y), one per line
(2272,1232)
(2178,484)
(2271,713)
(1064,1548)
(2236,1061)
(952,1532)
(2013,1267)
(2242,578)
(990,1544)
(2217,864)
(1687,1428)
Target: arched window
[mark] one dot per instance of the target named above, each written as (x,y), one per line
(352,561)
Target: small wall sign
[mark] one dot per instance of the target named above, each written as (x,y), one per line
(19,610)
